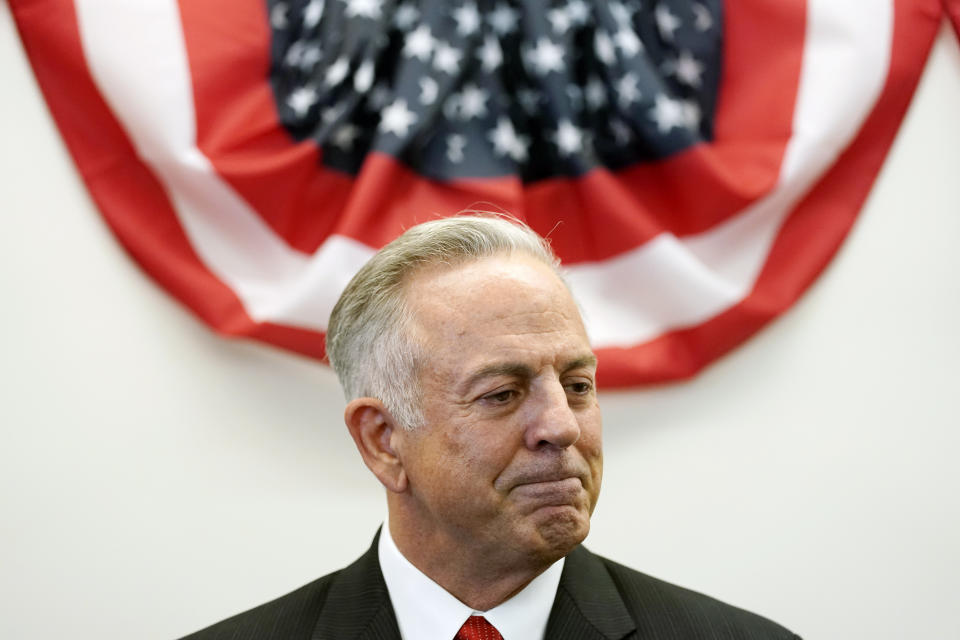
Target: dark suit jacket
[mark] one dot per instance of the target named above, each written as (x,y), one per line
(597,600)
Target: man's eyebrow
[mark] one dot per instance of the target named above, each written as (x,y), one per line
(514,369)
(520,370)
(588,360)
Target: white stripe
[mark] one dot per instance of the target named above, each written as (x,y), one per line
(137,57)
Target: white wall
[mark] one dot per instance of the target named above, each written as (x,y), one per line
(155,478)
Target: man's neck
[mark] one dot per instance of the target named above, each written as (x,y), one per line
(426,611)
(463,568)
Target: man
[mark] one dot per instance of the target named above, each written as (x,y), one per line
(472,398)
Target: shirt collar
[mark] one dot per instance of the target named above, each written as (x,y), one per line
(426,611)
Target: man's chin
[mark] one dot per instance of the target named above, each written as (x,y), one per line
(559,530)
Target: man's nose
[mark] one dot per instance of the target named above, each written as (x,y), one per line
(552,422)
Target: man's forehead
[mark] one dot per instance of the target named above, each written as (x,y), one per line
(494,297)
(494,315)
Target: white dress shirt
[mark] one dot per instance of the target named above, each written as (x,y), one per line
(426,611)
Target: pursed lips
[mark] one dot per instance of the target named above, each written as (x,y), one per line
(547,476)
(551,490)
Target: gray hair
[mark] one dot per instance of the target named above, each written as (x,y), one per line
(368,343)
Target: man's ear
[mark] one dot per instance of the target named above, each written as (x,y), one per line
(372,427)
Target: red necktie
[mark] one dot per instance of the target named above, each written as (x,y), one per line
(477,628)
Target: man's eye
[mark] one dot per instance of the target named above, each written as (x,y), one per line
(580,388)
(501,397)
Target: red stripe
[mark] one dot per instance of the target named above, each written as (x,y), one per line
(952,8)
(602,214)
(809,238)
(388,197)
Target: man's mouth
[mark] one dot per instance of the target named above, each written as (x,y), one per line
(551,491)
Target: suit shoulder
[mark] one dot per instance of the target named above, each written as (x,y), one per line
(293,615)
(676,612)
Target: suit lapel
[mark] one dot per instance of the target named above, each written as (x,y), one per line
(588,605)
(358,605)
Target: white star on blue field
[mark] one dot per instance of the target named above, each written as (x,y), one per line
(471,89)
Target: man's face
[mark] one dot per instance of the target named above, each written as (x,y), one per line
(508,461)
